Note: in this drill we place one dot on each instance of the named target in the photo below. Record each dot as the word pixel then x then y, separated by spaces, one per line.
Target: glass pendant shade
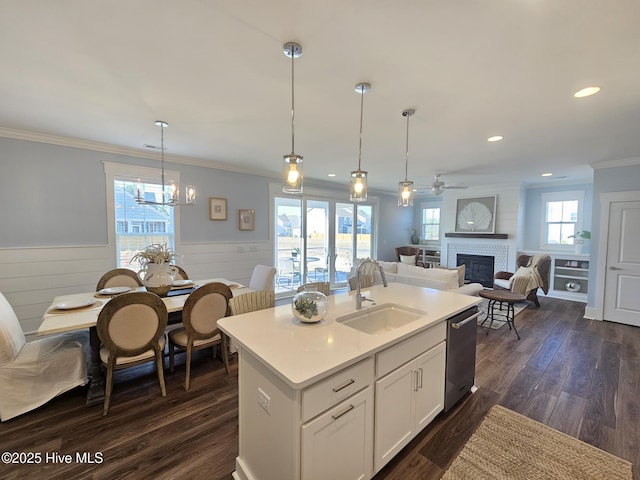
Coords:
pixel 405 187
pixel 358 182
pixel 358 186
pixel 292 174
pixel 292 177
pixel 405 193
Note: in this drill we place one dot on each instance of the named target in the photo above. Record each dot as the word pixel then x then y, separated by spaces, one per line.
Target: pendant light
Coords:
pixel 358 184
pixel 292 167
pixel 405 188
pixel 171 192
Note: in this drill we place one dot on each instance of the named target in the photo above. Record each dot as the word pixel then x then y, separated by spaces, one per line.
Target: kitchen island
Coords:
pixel 327 400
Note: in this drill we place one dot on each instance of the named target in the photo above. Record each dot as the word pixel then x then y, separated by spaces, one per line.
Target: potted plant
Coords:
pixel 579 239
pixel 295 252
pixel 156 273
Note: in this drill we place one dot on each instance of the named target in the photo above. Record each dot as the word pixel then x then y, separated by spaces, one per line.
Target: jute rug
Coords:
pixel 510 446
pixel 499 315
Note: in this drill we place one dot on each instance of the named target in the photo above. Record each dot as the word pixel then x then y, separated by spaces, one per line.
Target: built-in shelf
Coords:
pixel 569 276
pixel 497 236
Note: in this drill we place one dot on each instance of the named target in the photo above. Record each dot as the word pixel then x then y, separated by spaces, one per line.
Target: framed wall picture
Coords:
pixel 246 219
pixel 217 208
pixel 476 215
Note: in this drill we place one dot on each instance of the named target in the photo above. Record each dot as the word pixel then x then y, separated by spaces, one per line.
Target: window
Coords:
pixel 562 217
pixel 431 223
pixel 132 227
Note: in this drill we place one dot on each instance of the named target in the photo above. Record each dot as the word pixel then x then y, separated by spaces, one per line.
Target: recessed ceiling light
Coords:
pixel 331 175
pixel 495 138
pixel 547 174
pixel 585 92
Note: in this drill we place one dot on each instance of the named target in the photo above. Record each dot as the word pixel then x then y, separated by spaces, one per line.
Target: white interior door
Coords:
pixel 622 281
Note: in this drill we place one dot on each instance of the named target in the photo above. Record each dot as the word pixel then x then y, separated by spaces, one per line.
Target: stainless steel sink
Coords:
pixel 381 318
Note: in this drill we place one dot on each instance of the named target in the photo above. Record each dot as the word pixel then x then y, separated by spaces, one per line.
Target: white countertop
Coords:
pixel 302 353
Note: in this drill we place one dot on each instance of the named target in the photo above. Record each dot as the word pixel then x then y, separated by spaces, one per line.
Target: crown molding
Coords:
pixel 119 150
pixel 624 162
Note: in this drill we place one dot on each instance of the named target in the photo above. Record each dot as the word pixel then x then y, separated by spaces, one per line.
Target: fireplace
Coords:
pixel 478 268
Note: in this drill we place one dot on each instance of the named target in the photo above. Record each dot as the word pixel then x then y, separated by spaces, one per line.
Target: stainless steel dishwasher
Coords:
pixel 461 356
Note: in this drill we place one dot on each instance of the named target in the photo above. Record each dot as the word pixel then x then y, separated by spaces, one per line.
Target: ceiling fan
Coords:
pixel 438 187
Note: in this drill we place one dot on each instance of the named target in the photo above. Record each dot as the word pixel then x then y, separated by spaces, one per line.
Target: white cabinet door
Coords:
pixel 430 393
pixel 407 399
pixel 339 443
pixel 394 413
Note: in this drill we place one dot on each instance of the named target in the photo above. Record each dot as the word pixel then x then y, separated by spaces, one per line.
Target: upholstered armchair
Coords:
pixel 533 273
pixel 402 254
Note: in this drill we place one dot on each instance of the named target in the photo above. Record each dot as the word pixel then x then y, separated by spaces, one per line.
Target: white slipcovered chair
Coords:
pixel 33 373
pixel 262 278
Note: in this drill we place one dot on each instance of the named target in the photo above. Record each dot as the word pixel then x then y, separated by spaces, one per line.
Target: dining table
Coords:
pixel 80 311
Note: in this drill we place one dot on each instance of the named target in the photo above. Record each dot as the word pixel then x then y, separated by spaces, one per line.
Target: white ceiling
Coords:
pixel 215 70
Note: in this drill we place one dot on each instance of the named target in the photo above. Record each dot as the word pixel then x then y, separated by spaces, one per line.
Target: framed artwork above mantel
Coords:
pixel 476 215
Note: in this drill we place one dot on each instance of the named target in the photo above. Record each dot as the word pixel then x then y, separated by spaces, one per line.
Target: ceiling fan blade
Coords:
pixel 453 187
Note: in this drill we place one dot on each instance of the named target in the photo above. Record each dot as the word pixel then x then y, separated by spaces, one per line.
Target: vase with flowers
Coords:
pixel 157 272
pixel 579 239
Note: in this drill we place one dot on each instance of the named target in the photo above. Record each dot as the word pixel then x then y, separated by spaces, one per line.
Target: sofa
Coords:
pixel 438 278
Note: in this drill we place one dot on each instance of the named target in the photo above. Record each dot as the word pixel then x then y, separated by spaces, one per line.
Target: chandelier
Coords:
pixel 170 192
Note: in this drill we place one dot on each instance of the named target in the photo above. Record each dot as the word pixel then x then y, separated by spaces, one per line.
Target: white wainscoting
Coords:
pixel 31 277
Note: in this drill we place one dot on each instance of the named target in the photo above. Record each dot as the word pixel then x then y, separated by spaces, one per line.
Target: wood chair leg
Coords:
pixel 224 352
pixel 108 388
pixel 160 368
pixel 188 373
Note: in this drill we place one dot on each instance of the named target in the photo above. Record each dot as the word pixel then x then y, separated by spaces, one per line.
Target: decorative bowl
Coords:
pixel 309 306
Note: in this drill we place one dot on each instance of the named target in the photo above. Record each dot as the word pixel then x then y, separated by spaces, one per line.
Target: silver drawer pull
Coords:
pixel 347 410
pixel 343 386
pixel 465 321
pixel 420 382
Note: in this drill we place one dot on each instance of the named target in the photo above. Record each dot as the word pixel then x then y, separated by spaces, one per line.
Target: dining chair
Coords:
pixel 33 373
pixel 182 275
pixel 366 281
pixel 119 277
pixel 131 330
pixel 322 287
pixel 252 301
pixel 262 278
pixel 200 314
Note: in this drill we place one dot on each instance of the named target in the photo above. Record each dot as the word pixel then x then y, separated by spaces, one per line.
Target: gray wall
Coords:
pixel 533 211
pixel 57 197
pixel 605 180
pixel 394 227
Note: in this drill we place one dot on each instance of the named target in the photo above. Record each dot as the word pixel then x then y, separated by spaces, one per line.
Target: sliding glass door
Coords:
pixel 317 239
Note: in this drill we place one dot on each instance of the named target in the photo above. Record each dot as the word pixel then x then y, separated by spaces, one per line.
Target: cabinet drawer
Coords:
pixel 326 393
pixel 402 352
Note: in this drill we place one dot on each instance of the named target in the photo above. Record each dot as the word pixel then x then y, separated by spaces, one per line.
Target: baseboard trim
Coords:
pixel 592 313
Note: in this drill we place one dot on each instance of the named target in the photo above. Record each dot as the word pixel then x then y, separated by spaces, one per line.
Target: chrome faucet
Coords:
pixel 359 297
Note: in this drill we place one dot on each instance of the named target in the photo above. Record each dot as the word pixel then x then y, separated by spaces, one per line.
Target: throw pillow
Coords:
pixel 460 269
pixel 408 259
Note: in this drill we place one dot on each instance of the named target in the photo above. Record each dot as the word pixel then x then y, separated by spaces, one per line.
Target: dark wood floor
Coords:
pixel 581 377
